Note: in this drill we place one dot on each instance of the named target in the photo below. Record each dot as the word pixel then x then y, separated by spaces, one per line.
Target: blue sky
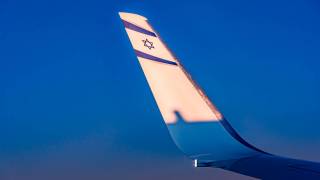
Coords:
pixel 75 104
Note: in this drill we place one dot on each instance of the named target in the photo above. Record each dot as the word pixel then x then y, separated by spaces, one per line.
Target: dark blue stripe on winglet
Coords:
pixel 138 29
pixel 235 135
pixel 153 58
pixel 227 126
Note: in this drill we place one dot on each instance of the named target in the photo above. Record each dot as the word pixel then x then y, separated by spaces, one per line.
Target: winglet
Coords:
pixel 203 133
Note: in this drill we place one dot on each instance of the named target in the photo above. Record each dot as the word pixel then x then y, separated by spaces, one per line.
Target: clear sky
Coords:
pixel 74 103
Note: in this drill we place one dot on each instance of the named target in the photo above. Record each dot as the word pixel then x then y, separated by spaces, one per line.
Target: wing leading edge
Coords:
pixel 197 127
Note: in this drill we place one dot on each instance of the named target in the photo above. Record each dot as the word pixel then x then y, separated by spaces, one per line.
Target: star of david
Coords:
pixel 148 44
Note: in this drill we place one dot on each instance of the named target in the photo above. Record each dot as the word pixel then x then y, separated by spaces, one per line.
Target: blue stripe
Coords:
pixel 153 58
pixel 227 126
pixel 235 135
pixel 138 29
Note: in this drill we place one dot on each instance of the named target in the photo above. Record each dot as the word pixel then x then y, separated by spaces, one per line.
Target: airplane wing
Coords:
pixel 197 127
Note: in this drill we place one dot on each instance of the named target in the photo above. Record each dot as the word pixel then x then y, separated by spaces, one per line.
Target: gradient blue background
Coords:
pixel 74 103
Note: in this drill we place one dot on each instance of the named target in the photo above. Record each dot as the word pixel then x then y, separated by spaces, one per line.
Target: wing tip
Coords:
pixel 126 15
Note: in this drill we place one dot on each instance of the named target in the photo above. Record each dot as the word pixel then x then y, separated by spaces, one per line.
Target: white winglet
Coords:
pixel 194 123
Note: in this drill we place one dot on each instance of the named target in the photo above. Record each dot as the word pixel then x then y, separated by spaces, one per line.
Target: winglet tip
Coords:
pixel 126 15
